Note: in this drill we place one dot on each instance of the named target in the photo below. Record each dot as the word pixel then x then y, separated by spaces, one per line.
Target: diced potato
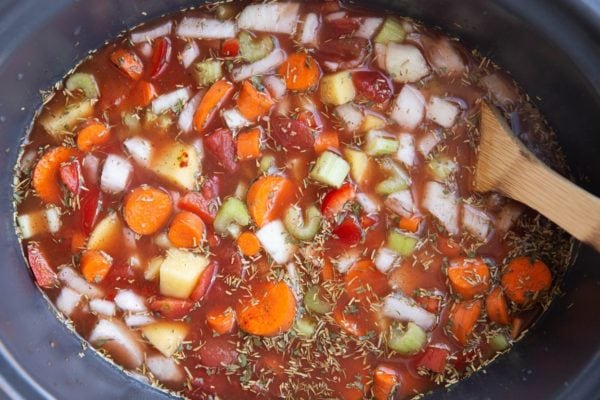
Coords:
pixel 57 125
pixel 372 121
pixel 179 273
pixel 107 235
pixel 166 336
pixel 359 164
pixel 337 89
pixel 179 164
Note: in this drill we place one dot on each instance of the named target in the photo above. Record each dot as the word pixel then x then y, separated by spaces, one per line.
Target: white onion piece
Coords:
pixel 385 259
pixel 140 150
pixel 409 107
pixel 442 112
pixel 119 341
pixel 130 239
pixel 331 66
pixel 442 204
pixel 443 57
pixel 476 222
pixel 508 216
pixel 52 214
pixel 32 224
pixel 310 30
pixel 401 203
pixel 294 279
pixel 116 174
pixel 90 166
pixel 270 17
pixel 170 100
pixel 260 67
pixel 405 309
pixel 368 204
pixel 27 160
pixel 405 63
pixel 145 49
pixel 67 301
pixel 368 27
pixel 186 118
pixel 380 55
pixel 151 34
pixel 128 300
pixel 165 369
pixel 162 241
pixel 406 149
pixel 103 307
pixel 276 241
pixel 137 320
pixel 204 28
pixel 190 52
pixel 500 88
pixel 346 261
pixel 72 279
pixel 335 15
pixel 428 142
pixel 350 115
pixel 234 119
pixel 275 85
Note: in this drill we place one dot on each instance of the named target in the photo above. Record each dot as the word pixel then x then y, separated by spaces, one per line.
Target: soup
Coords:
pixel 275 201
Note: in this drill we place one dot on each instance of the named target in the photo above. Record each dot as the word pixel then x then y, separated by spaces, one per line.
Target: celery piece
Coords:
pixel 314 302
pixel 302 229
pixel 359 164
pixel 395 170
pixel 390 185
pixel 499 342
pixel 442 168
pixel 379 145
pixel 330 169
pixel 233 211
pixel 401 243
pixel 305 326
pixel 391 32
pixel 267 163
pixel 131 121
pixel 408 341
pixel 84 82
pixel 207 72
pixel 252 49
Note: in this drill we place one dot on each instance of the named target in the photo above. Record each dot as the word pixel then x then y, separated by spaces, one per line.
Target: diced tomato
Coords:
pixel 211 187
pixel 310 119
pixel 230 48
pixel 90 206
pixel 161 55
pixel 170 308
pixel 43 273
pixel 447 246
pixel 373 85
pixel 434 359
pixel 430 303
pixel 218 351
pixel 349 231
pixel 348 52
pixel 198 204
pixel 368 221
pixel 343 26
pixel 336 199
pixel 221 145
pixel 70 174
pixel 363 275
pixel 292 133
pixel 205 282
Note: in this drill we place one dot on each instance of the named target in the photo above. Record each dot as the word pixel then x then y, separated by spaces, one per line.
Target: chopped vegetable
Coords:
pixel 409 107
pixel 147 209
pixel 207 72
pixel 373 85
pixel 249 144
pixel 46 175
pixel 62 123
pixel 408 340
pixel 385 382
pixel 442 168
pixel 84 82
pixel 186 230
pixel 499 342
pixel 442 204
pixel 170 308
pixel 180 272
pixel 302 229
pixel 310 30
pixel 276 241
pixel 248 244
pixel 214 99
pixel 42 271
pixel 161 55
pixel 116 174
pixel 166 336
pixel 301 72
pixel 463 318
pixel 260 67
pixel 233 211
pixel 391 32
pixel 380 143
pixel 435 358
pixel 314 301
pixel 252 103
pixel 402 243
pixel 107 234
pixel 337 89
pixel 254 49
pixel 330 169
pixel 350 116
pixel 442 112
pixel 270 17
pixel 221 321
pixel 496 307
pixel 327 140
pixel 359 164
pixel 525 279
pixel 92 134
pixel 170 101
pixel 151 34
pixel 305 326
pixel 128 62
pixel 221 145
pixel 405 63
pixel 95 265
pixel 268 197
pixel 405 309
pixel 177 163
pixel 468 277
pixel 205 28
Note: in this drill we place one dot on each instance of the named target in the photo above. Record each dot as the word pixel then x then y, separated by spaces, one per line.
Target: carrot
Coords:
pixel 147 209
pixel 269 310
pixel 78 241
pixel 248 244
pixel 410 224
pixel 128 62
pixel 327 140
pixel 221 321
pixel 214 99
pixel 141 95
pixel 300 72
pixel 248 144
pixel 95 265
pixel 385 380
pixel 327 272
pixel 46 175
pixel 462 319
pixel 186 230
pixel 364 279
pixel 524 279
pixel 468 277
pixel 495 305
pixel 253 103
pixel 92 134
pixel 517 327
pixel 268 197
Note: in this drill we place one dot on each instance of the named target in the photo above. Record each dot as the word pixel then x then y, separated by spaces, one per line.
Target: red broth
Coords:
pixel 309 231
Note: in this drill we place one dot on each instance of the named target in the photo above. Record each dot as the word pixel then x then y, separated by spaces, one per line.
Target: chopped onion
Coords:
pixel 234 119
pixel 335 15
pixel 346 261
pixel 507 216
pixel 500 88
pixel 32 224
pixel 442 112
pixel 103 307
pixel 276 241
pixel 204 28
pixel 405 309
pixel 260 67
pixel 405 63
pixel 151 34
pixel 137 320
pixel 310 30
pixel 91 165
pixel 270 17
pixel 128 300
pixel 53 221
pixel 476 222
pixel 294 279
pixel 121 342
pixel 385 259
pixel 380 55
pixel 401 203
pixel 409 108
pixel 72 279
pixel 165 369
pixel 406 149
pixel 368 27
pixel 190 52
pixel 27 160
pixel 429 141
pixel 442 204
pixel 116 174
pixel 140 150
pixel 443 56
pixel 170 100
pixel 275 85
pixel 367 203
pixel 145 49
pixel 186 117
pixel 350 115
pixel 67 301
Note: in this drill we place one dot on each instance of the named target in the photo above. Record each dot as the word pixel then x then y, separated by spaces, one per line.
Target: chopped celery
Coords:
pixel 305 326
pixel 390 185
pixel 208 72
pixel 267 164
pixel 401 243
pixel 302 229
pixel 359 163
pixel 499 342
pixel 408 341
pixel 315 303
pixel 442 168
pixel 131 121
pixel 240 191
pixel 233 211
pixel 379 145
pixel 330 169
pixel 252 49
pixel 84 82
pixel 391 31
pixel 162 121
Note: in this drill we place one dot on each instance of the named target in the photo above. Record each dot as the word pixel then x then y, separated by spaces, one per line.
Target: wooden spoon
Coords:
pixel 506 166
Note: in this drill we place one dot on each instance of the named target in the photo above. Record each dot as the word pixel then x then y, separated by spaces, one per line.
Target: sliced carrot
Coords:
pixel 269 310
pixel 300 72
pixel 495 305
pixel 221 321
pixel 214 99
pixel 186 230
pixel 248 144
pixel 92 134
pixel 46 175
pixel 78 241
pixel 268 197
pixel 327 140
pixel 147 209
pixel 462 319
pixel 248 244
pixel 410 224
pixel 468 277
pixel 524 279
pixel 385 381
pixel 364 280
pixel 327 272
pixel 517 327
pixel 128 62
pixel 95 265
pixel 253 103
pixel 141 95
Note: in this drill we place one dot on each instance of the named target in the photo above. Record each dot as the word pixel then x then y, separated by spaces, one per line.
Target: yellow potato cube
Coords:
pixel 166 336
pixel 179 164
pixel 179 273
pixel 107 235
pixel 337 89
pixel 372 121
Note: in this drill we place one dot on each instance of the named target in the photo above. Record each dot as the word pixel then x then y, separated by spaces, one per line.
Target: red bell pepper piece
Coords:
pixel 161 55
pixel 70 174
pixel 91 203
pixel 205 282
pixel 434 359
pixel 230 48
pixel 349 231
pixel 170 308
pixel 335 200
pixel 44 274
